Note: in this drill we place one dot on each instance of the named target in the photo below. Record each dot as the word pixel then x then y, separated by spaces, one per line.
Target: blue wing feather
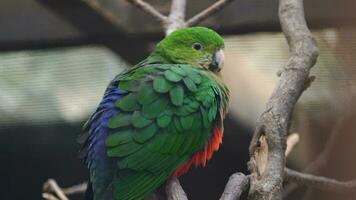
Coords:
pixel 102 168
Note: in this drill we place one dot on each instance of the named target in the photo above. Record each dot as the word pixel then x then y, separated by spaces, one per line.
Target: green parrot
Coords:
pixel 157 118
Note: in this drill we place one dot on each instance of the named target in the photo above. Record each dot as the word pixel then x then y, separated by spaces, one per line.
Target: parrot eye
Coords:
pixel 197 46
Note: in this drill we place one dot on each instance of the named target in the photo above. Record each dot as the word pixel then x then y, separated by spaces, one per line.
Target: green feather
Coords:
pixel 168 111
pixel 154 109
pixel 195 77
pixel 131 85
pixel 189 83
pixel 164 67
pixel 161 85
pixel 191 103
pixel 164 121
pixel 211 92
pixel 138 185
pixel 158 142
pixel 139 121
pixel 198 123
pixel 199 140
pixel 166 148
pixel 212 112
pixel 192 106
pixel 128 103
pixel 177 95
pixel 204 117
pixel 146 94
pixel 166 161
pixel 187 146
pixel 120 120
pixel 143 134
pixel 172 76
pixel 182 111
pixel 207 103
pixel 179 140
pixel 136 162
pixel 123 150
pixel 187 121
pixel 178 70
pixel 118 138
pixel 177 124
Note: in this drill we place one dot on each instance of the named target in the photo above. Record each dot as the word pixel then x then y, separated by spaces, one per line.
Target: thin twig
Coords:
pixel 49 196
pixel 211 10
pixel 323 156
pixel 75 189
pixel 275 121
pixel 174 190
pixel 292 140
pixel 236 185
pixel 319 182
pixel 103 10
pixel 330 144
pixel 148 8
pixel 51 186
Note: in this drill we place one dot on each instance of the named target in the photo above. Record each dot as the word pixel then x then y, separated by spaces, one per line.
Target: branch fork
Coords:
pixel 176 18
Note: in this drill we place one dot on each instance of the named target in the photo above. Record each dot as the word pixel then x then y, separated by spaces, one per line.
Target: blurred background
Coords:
pixel 57 57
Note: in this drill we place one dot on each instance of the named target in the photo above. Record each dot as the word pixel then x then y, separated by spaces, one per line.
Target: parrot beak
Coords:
pixel 217 61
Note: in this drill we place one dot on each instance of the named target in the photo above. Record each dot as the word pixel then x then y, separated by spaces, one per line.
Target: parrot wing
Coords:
pixel 165 115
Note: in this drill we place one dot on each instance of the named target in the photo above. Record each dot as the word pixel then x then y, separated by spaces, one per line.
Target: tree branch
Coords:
pixel 174 190
pixel 275 121
pixel 236 185
pixel 75 189
pixel 292 140
pixel 148 8
pixel 211 10
pixel 51 186
pixel 49 196
pixel 319 182
pixel 322 158
pixel 176 16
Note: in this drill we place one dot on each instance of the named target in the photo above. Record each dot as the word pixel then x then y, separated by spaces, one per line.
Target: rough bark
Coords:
pixel 273 125
pixel 236 185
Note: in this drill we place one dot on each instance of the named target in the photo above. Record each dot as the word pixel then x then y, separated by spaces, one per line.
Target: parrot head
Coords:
pixel 198 46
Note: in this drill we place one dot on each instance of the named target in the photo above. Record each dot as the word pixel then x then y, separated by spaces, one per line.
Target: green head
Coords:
pixel 199 46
